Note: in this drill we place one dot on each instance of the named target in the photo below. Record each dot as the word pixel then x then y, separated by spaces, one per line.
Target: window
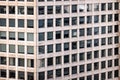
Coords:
pixel 30 50
pixel 66 71
pixel 89 31
pixel 2 9
pixel 89 7
pixel 21 10
pixel 109 74
pixel 89 55
pixel 110 51
pixel 50 61
pixel 21 23
pixel 82 32
pixel 41 75
pixel 103 53
pixel 74 20
pixel 96 18
pixel 21 49
pixel 21 62
pixel 82 78
pixel 30 10
pixel 49 9
pixel 11 9
pixel 41 23
pixel 58 47
pixel 66 59
pixel 3 60
pixel 30 37
pixel 41 36
pixel 2 34
pixel 103 18
pixel 81 68
pixel 116 62
pixel 89 67
pixel 2 22
pixel 110 6
pixel 49 22
pixel 11 22
pixel 96 65
pixel 41 10
pixel 49 35
pixel 12 61
pixel 58 9
pixel 74 33
pixel 96 7
pixel 12 48
pixel 58 60
pixel 3 73
pixel 89 43
pixel 116 28
pixel 21 75
pixel 58 22
pixel 30 76
pixel 74 57
pixel 110 40
pixel 103 64
pixel 81 20
pixel 41 49
pixel 96 42
pixel 12 74
pixel 66 22
pixel 74 70
pixel 116 39
pixel 42 62
pixel 74 8
pixel 58 72
pixel 89 19
pixel 50 48
pixel 109 29
pixel 103 76
pixel 103 29
pixel 116 5
pixel 58 34
pixel 49 74
pixel 66 33
pixel 96 76
pixel 110 17
pixel 110 63
pixel 81 7
pixel 21 36
pixel 116 73
pixel 82 56
pixel 2 47
pixel 30 63
pixel 116 51
pixel 103 6
pixel 116 17
pixel 30 23
pixel 96 30
pixel 66 46
pixel 103 41
pixel 66 9
pixel 11 35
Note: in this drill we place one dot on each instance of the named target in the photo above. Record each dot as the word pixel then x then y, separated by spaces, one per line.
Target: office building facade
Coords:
pixel 59 39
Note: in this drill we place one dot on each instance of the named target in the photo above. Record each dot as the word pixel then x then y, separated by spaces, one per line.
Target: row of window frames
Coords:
pixel 21 62
pixel 66 59
pixel 75 33
pixel 12 10
pixel 102 76
pixel 21 36
pixel 74 20
pixel 74 45
pixel 20 49
pixel 21 23
pixel 75 8
pixel 66 72
pixel 13 74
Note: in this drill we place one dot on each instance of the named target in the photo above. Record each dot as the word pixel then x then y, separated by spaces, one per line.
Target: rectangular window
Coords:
pixel 30 10
pixel 30 50
pixel 41 10
pixel 12 74
pixel 3 60
pixel 50 61
pixel 12 48
pixel 2 22
pixel 81 8
pixel 21 23
pixel 49 9
pixel 81 44
pixel 58 9
pixel 2 47
pixel 41 49
pixel 58 47
pixel 11 35
pixel 2 34
pixel 11 22
pixel 41 36
pixel 50 48
pixel 21 62
pixel 42 62
pixel 21 10
pixel 30 37
pixel 12 10
pixel 30 63
pixel 12 61
pixel 3 73
pixel 30 23
pixel 21 49
pixel 2 9
pixel 41 23
pixel 21 36
pixel 74 8
pixel 21 75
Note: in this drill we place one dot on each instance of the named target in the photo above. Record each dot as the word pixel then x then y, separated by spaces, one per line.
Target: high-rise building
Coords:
pixel 59 40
